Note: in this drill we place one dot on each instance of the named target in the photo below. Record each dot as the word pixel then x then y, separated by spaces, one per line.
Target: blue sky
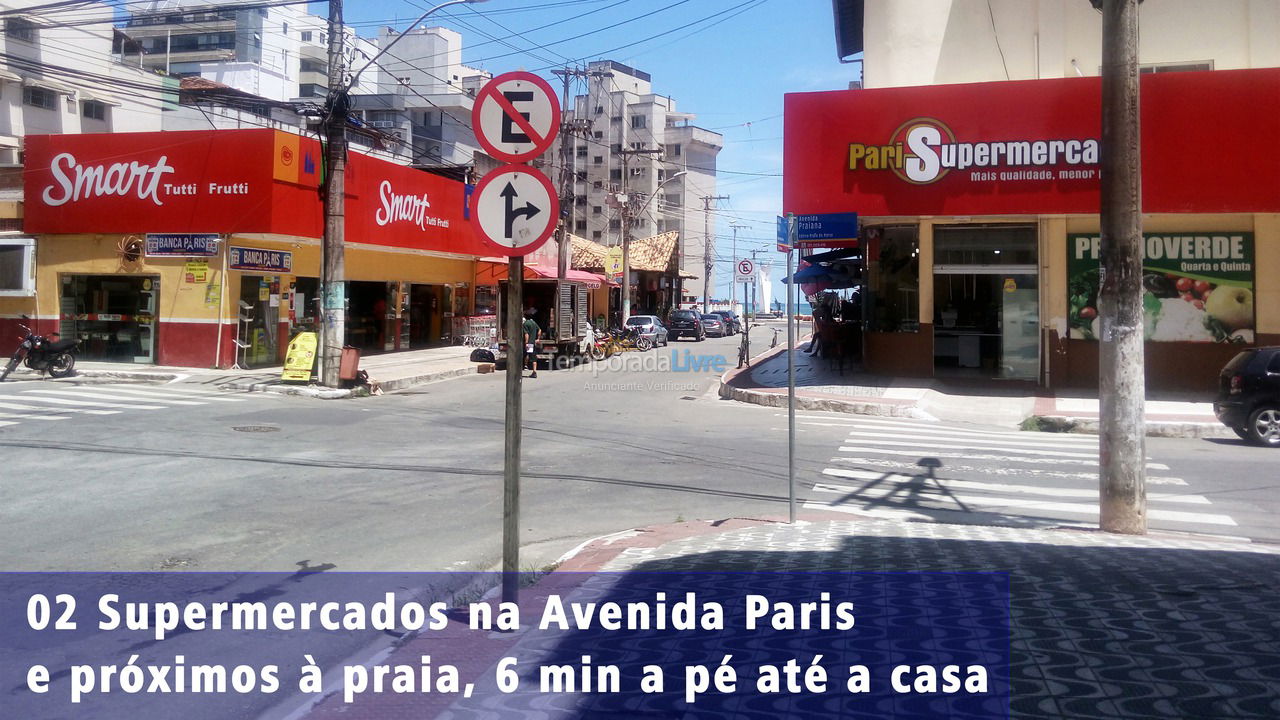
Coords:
pixel 728 61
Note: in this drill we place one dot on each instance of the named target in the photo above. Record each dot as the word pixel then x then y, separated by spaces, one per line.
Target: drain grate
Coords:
pixel 255 428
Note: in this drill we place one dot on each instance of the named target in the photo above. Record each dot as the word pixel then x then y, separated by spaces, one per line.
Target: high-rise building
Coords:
pixel 620 112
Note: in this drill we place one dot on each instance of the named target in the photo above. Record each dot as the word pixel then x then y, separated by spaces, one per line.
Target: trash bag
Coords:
pixel 482 355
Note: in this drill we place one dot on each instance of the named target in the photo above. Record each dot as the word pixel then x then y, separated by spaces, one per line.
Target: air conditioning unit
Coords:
pixel 382 123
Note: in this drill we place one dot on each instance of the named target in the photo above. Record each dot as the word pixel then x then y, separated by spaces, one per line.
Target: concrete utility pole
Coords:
pixel 746 302
pixel 570 128
pixel 708 262
pixel 333 287
pixel 1122 427
pixel 624 208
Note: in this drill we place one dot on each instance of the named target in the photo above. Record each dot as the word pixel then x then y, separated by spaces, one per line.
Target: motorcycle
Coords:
pixel 56 357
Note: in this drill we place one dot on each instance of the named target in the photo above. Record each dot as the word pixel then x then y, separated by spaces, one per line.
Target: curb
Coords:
pixel 1154 428
pixel 344 393
pixel 730 391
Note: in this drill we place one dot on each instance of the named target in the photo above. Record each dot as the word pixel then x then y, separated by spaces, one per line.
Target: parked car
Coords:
pixel 686 323
pixel 714 325
pixel 1249 396
pixel 650 326
pixel 732 325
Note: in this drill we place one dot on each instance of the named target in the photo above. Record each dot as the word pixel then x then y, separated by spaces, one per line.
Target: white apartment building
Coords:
pixel 620 112
pixel 935 42
pixel 60 77
pixel 424 70
pixel 278 53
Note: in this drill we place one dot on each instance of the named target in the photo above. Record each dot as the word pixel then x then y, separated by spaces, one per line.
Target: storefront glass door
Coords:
pixel 259 322
pixel 113 316
pixel 986 301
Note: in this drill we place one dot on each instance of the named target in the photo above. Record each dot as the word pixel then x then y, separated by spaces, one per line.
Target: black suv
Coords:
pixel 686 323
pixel 1249 396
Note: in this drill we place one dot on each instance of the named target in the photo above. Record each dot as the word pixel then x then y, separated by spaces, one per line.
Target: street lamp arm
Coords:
pixel 682 173
pixel 356 76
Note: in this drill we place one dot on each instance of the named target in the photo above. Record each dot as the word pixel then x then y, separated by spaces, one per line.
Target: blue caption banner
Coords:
pixel 318 644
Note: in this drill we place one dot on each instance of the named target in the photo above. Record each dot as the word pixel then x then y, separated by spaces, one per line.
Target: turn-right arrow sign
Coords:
pixel 516 207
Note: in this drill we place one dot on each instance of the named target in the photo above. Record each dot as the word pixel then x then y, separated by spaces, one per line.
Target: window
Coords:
pixel 674 200
pixel 893 292
pixel 581 151
pixel 39 97
pixel 616 118
pixel 597 160
pixel 284 28
pixel 637 121
pixel 597 134
pixel 580 226
pixel 615 148
pixel 1175 67
pixel 306 36
pixel 580 176
pixel 595 235
pixel 599 110
pixel 93 110
pixel 580 199
pixel 615 224
pixel 20 29
pixel 596 210
pixel 637 172
pixel 597 185
pixel 675 150
pixel 17 267
pixel 615 174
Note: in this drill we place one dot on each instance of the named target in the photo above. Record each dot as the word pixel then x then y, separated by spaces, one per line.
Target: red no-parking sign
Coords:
pixel 516 116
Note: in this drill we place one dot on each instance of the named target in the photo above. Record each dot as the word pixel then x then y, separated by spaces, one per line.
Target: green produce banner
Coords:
pixel 1197 287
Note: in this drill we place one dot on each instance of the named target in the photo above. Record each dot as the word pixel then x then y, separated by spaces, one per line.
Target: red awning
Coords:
pixel 496 269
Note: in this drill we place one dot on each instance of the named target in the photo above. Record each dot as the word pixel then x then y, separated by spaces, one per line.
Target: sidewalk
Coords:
pixel 819 386
pixel 1102 626
pixel 391 371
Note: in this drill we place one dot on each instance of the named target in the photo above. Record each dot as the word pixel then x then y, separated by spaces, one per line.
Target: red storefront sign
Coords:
pixel 1210 143
pixel 232 181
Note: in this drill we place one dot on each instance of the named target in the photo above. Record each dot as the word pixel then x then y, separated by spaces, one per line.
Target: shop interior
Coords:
pixel 258 337
pixel 986 302
pixel 113 316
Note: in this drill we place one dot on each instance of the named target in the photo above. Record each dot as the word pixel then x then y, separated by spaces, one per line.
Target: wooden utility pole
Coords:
pixel 1122 427
pixel 333 287
pixel 708 262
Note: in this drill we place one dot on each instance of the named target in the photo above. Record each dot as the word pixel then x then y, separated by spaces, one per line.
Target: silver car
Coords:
pixel 650 327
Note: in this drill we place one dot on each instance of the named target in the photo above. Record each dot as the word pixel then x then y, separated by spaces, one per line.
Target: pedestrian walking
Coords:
pixel 531 334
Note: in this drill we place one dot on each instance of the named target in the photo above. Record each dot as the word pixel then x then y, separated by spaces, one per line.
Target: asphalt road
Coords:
pixel 413 480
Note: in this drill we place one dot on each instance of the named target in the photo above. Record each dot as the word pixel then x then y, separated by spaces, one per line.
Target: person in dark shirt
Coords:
pixel 531 334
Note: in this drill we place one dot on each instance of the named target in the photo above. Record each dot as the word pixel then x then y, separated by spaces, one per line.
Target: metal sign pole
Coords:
pixel 511 458
pixel 791 372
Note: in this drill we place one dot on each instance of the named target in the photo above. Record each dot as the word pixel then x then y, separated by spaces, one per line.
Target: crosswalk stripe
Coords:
pixel 942 452
pixel 931 429
pixel 1003 471
pixel 939 438
pixel 1083 508
pixel 201 395
pixel 19 406
pixel 27 416
pixel 37 396
pixel 925 445
pixel 125 395
pixel 901 479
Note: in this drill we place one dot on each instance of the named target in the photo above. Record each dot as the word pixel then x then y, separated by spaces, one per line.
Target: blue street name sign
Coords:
pixel 241 258
pixel 832 226
pixel 784 242
pixel 178 245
